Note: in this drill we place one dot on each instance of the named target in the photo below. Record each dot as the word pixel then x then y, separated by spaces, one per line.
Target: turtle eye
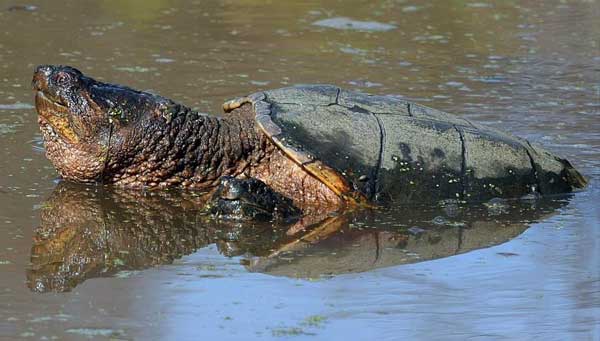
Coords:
pixel 62 78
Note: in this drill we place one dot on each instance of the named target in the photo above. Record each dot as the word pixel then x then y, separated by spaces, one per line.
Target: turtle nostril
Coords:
pixel 40 77
pixel 46 70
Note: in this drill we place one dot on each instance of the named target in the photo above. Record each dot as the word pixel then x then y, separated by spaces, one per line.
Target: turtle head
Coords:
pixel 79 117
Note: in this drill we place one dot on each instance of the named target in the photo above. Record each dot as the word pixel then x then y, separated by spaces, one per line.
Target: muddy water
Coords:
pixel 79 262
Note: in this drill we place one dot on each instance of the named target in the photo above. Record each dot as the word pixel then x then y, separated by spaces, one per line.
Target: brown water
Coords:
pixel 80 262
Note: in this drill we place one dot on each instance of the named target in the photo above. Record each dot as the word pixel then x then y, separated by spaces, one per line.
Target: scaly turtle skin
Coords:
pixel 321 147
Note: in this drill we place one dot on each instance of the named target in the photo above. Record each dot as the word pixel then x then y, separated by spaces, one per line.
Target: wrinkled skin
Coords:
pixel 97 132
pixel 102 133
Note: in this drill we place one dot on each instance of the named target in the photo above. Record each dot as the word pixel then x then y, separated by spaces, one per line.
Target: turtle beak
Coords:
pixel 56 115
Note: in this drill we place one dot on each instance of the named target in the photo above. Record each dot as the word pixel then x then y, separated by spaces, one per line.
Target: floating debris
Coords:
pixel 342 23
pixel 22 8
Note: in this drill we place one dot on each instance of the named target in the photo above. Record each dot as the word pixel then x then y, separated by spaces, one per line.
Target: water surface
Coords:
pixel 80 262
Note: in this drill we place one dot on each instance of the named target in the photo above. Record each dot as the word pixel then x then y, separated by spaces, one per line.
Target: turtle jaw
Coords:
pixel 55 116
pixel 53 86
pixel 75 157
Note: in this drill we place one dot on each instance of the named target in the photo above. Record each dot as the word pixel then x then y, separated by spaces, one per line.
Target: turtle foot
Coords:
pixel 251 199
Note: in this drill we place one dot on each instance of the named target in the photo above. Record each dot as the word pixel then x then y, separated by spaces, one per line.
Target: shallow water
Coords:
pixel 80 262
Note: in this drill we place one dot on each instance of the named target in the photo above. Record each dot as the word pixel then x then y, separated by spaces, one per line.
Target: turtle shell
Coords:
pixel 367 147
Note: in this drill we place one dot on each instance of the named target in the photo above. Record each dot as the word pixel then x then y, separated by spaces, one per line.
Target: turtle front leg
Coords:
pixel 251 199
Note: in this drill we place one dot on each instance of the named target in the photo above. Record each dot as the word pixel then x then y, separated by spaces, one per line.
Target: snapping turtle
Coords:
pixel 322 147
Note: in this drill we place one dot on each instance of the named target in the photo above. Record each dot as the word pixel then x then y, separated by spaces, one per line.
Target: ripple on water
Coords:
pixel 532 70
pixel 164 60
pixel 96 332
pixel 6 129
pixel 16 106
pixel 364 83
pixel 135 69
pixel 352 50
pixel 342 23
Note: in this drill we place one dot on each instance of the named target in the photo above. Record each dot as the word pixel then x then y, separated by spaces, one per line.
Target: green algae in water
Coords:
pixel 314 321
pixel 311 321
pixel 207 267
pixel 291 331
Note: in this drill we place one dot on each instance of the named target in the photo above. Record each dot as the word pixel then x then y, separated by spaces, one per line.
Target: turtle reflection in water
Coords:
pixel 314 149
pixel 91 232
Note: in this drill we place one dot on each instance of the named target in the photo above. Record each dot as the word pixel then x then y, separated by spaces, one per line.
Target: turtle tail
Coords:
pixel 574 178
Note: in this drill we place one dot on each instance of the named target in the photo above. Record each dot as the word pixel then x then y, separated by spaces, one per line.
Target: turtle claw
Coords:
pixel 235 103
